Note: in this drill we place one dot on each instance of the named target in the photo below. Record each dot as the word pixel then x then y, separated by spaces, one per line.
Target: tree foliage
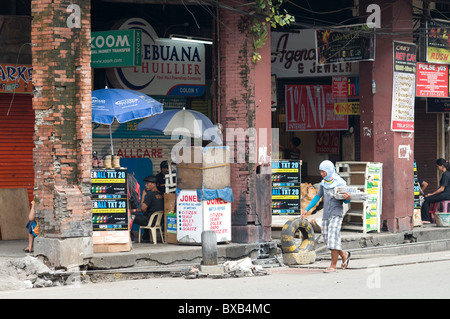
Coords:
pixel 274 17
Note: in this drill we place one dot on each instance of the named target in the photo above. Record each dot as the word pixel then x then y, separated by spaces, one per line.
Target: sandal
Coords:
pixel 328 270
pixel 345 264
pixel 27 250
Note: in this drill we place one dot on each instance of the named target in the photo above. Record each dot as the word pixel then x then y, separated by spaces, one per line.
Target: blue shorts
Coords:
pixel 31 227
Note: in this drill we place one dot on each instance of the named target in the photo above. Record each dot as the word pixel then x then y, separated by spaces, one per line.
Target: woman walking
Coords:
pixel 441 194
pixel 332 213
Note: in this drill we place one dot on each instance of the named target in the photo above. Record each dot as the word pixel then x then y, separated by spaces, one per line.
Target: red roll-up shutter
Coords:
pixel 16 142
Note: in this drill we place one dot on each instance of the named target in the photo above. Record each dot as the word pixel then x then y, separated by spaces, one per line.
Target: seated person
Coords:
pixel 441 194
pixel 152 201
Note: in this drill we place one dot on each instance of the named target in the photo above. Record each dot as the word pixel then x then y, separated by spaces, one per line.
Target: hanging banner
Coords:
pixel 432 80
pixel 349 43
pixel 327 142
pixel 286 187
pixel 438 47
pixel 346 108
pixel 294 55
pixel 403 89
pixel 311 108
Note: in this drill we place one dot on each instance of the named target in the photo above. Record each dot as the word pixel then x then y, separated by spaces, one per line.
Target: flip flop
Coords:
pixel 27 250
pixel 345 264
pixel 328 270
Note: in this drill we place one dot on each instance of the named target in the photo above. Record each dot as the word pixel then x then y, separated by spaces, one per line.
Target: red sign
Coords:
pixel 340 87
pixel 311 108
pixel 432 80
pixel 16 78
pixel 327 142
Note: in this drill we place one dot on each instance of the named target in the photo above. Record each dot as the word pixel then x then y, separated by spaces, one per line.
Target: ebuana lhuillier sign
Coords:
pixel 166 67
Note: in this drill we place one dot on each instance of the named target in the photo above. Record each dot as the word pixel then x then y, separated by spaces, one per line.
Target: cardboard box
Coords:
pixel 199 167
pixel 170 218
pixel 111 241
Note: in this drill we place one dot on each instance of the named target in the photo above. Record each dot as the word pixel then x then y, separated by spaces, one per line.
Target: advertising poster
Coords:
pixel 403 89
pixel 372 206
pixel 327 142
pixel 217 217
pixel 286 187
pixel 340 87
pixel 438 45
pixel 171 223
pixel 189 217
pixel 432 80
pixel 109 199
pixel 311 108
pixel 352 43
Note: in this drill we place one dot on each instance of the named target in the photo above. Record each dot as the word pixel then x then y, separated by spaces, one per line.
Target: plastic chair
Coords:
pixel 158 216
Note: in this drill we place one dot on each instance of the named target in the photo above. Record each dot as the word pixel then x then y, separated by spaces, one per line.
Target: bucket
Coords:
pixel 443 219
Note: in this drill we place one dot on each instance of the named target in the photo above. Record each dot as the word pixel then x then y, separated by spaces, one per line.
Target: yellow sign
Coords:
pixel 438 55
pixel 346 108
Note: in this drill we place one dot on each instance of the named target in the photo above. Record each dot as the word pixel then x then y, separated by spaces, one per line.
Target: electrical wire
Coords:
pixel 318 12
pixel 15 83
pixel 191 14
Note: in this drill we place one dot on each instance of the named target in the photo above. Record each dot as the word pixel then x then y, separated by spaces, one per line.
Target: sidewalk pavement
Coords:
pixel 426 239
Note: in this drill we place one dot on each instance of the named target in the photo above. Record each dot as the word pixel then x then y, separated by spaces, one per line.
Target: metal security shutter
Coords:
pixel 16 142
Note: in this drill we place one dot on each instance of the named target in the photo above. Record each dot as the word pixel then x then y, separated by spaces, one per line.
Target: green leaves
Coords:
pixel 274 19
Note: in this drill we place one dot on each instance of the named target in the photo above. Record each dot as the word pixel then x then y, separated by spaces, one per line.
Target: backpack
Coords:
pixel 134 191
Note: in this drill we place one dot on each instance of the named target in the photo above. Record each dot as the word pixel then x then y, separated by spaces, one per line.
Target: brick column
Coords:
pixel 378 142
pixel 63 132
pixel 244 107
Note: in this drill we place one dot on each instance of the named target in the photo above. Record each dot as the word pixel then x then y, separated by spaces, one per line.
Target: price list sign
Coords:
pixel 286 187
pixel 109 199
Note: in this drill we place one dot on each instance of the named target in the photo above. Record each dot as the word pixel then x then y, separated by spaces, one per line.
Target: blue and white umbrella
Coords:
pixel 182 122
pixel 122 105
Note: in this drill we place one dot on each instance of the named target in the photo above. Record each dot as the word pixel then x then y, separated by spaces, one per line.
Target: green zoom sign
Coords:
pixel 111 49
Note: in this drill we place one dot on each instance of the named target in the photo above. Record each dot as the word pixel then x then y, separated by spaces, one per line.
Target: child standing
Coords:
pixel 332 213
pixel 33 229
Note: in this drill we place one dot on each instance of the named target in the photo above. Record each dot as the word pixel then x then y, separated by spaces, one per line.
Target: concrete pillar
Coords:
pixel 378 142
pixel 63 134
pixel 245 112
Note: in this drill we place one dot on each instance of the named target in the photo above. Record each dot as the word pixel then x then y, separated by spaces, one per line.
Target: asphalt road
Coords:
pixel 424 276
